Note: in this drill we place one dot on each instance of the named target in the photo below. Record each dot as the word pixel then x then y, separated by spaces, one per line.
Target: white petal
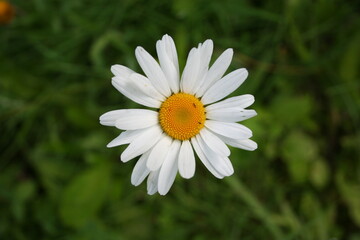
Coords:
pixel 140 170
pixel 242 101
pixel 246 144
pixel 186 160
pixel 153 71
pixel 146 86
pixel 120 70
pixel 109 118
pixel 214 143
pixel 139 89
pixel 225 86
pixel 206 52
pixel 169 61
pixel 231 130
pixel 205 56
pixel 171 50
pixel 142 143
pixel 196 67
pixel 125 137
pixel 216 71
pixel 204 159
pixel 152 182
pixel 132 119
pixel 221 163
pixel 189 75
pixel 169 169
pixel 230 114
pixel 159 152
pixel 228 164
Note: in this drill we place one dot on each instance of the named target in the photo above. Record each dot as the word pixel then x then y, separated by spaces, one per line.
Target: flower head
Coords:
pixel 7 12
pixel 189 114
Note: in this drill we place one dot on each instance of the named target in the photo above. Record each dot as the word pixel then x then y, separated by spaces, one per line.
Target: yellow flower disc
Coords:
pixel 182 116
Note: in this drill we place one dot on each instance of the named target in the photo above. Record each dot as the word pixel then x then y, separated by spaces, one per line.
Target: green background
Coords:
pixel 59 181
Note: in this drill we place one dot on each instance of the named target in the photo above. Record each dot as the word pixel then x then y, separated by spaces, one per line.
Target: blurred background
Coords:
pixel 59 181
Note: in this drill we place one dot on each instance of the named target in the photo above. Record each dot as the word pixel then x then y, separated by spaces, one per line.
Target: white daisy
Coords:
pixel 189 114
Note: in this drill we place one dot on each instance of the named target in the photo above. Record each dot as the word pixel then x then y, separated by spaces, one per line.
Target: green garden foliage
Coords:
pixel 59 181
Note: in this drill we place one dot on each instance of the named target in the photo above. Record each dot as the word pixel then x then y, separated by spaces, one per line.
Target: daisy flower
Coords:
pixel 188 116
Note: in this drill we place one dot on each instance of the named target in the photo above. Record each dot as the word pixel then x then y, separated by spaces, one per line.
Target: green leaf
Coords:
pixel 319 175
pixel 298 150
pixel 95 230
pixel 350 63
pixel 293 111
pixel 350 192
pixel 108 39
pixel 24 191
pixel 84 196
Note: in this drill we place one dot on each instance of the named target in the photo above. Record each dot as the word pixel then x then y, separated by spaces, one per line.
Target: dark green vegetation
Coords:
pixel 59 181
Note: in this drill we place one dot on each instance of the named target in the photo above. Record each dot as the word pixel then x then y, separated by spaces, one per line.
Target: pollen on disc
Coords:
pixel 182 116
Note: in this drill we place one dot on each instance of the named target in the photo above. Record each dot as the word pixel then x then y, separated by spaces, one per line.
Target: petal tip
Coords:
pixel 138 50
pixel 254 147
pixel 124 158
pixel 187 175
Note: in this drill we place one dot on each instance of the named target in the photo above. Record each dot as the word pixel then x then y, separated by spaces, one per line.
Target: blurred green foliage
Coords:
pixel 59 181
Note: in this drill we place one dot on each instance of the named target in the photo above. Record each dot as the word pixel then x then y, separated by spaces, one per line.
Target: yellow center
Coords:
pixel 182 116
